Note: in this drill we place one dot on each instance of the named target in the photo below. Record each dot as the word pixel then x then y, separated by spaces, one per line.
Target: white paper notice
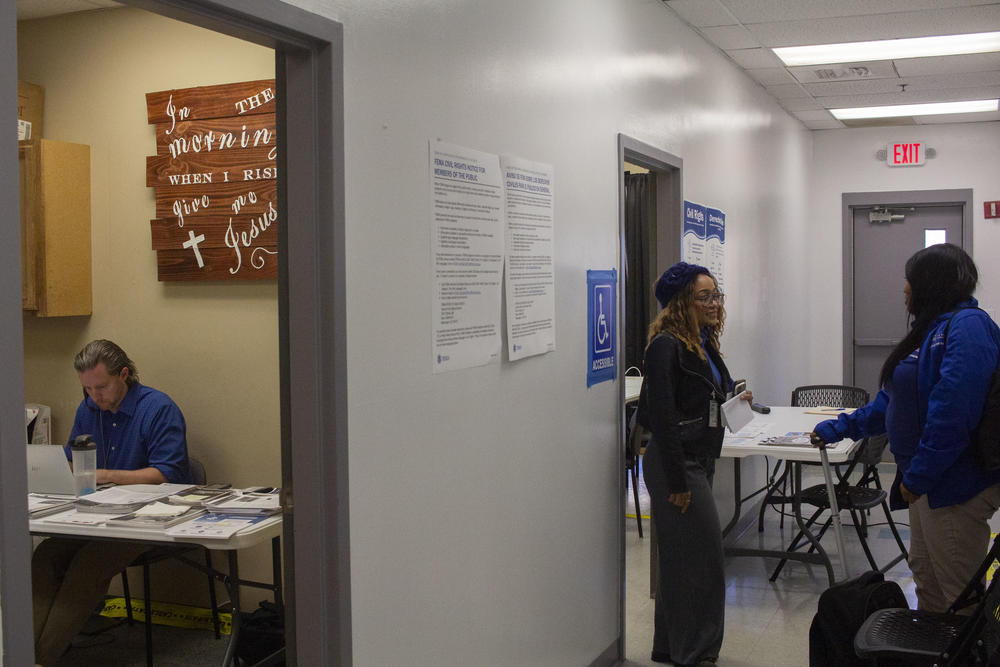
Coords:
pixel 530 273
pixel 467 249
pixel 737 413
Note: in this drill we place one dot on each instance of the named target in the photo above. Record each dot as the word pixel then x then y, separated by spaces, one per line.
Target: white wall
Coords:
pixel 844 161
pixel 484 502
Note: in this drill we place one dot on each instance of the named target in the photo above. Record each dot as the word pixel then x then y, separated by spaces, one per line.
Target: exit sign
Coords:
pixel 909 154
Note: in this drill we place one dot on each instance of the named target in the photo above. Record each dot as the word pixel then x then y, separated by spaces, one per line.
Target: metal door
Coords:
pixel 883 241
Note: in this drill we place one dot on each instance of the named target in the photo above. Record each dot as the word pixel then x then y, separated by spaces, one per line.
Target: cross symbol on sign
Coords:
pixel 192 243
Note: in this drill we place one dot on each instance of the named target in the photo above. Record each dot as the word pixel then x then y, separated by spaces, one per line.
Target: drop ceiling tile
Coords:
pixel 729 37
pixel 878 69
pixel 755 58
pixel 958 20
pixel 813 114
pixel 764 11
pixel 823 124
pixel 702 13
pixel 866 87
pixel 969 80
pixel 959 118
pixel 771 76
pixel 787 91
pixel 971 62
pixel 800 104
pixel 910 97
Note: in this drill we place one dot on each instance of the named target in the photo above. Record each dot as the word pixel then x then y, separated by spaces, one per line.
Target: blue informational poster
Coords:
pixel 602 356
pixel 694 233
pixel 715 245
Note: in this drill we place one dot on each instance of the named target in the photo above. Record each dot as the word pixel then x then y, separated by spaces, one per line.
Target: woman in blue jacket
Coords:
pixel 685 384
pixel 934 386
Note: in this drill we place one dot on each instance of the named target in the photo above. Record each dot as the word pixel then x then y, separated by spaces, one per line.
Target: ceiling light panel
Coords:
pixel 934 108
pixel 889 49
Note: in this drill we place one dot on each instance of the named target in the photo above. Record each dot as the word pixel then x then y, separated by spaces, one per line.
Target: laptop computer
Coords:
pixel 49 471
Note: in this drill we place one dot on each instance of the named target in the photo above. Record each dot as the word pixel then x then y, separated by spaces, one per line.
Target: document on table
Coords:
pixel 75 518
pixel 135 493
pixel 219 526
pixel 737 413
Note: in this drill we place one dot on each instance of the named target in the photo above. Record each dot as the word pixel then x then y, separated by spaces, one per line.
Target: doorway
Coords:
pixel 650 203
pixel 881 231
pixel 310 293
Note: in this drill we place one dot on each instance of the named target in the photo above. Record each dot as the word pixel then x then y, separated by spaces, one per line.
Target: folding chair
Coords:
pixel 948 639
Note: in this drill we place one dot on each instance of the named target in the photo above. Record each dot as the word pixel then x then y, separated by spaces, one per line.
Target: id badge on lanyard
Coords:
pixel 713 413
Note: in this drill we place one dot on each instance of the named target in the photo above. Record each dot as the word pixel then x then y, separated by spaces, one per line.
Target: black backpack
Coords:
pixel 841 610
pixel 262 633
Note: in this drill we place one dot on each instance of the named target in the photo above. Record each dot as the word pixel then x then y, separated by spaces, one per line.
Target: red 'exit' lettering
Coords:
pixel 905 154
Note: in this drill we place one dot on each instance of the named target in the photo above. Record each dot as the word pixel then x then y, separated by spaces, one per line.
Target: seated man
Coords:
pixel 140 436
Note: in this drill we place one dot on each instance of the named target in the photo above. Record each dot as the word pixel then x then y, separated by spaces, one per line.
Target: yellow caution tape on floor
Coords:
pixel 165 613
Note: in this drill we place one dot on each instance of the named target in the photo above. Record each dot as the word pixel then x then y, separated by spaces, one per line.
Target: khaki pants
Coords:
pixel 68 580
pixel 947 544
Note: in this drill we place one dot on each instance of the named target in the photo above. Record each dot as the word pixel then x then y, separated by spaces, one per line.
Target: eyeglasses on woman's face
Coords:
pixel 708 298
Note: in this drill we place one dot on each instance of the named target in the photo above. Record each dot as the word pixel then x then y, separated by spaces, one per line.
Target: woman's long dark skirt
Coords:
pixel 691 594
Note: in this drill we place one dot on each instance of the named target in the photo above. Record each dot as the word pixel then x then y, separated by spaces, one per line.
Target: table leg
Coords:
pixel 737 497
pixel 831 492
pixel 279 598
pixel 233 584
pixel 797 511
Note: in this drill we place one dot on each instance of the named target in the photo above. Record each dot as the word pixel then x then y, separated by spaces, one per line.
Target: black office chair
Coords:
pixel 160 553
pixel 635 442
pixel 859 497
pixel 913 637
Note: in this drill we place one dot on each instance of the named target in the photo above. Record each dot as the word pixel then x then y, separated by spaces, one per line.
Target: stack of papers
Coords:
pixel 213 526
pixel 127 498
pixel 74 517
pixel 792 439
pixel 40 505
pixel 246 504
pixel 156 515
pixel 198 496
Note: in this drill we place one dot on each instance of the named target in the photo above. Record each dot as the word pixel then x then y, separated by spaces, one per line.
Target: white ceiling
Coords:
pixel 37 9
pixel 745 30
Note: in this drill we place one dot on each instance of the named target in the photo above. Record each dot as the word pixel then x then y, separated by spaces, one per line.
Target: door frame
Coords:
pixel 311 319
pixel 669 209
pixel 893 199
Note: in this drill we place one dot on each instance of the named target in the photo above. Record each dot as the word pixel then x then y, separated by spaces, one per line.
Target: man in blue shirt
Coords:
pixel 141 439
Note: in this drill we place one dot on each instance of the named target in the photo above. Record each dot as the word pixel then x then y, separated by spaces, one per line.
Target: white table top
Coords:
pixel 248 537
pixel 780 421
pixel 633 385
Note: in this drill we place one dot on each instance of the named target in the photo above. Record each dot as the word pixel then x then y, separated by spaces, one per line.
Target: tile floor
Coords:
pixel 767 624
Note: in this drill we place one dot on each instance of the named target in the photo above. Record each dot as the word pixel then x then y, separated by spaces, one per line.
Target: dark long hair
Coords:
pixel 941 277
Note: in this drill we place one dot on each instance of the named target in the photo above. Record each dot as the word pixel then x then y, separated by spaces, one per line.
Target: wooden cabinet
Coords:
pixel 55 227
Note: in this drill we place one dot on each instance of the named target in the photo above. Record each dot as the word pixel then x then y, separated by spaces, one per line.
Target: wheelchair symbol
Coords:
pixel 602 331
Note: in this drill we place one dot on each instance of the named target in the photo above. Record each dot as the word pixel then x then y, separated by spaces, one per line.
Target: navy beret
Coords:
pixel 675 279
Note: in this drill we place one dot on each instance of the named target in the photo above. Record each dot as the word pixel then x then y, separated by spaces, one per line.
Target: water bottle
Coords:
pixel 84 464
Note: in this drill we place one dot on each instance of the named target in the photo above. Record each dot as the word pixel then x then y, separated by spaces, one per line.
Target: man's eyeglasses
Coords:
pixel 714 297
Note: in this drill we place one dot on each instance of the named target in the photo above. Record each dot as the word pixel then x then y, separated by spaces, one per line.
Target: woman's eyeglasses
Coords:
pixel 708 299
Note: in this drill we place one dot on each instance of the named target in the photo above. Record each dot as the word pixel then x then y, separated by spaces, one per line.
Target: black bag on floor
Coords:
pixel 841 610
pixel 261 634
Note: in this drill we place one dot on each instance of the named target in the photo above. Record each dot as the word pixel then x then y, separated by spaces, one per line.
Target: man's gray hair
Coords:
pixel 106 352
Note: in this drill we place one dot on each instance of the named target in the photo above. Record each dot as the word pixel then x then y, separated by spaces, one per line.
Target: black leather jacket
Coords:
pixel 674 405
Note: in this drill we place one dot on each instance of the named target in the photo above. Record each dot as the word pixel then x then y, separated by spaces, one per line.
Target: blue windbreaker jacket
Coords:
pixel 952 381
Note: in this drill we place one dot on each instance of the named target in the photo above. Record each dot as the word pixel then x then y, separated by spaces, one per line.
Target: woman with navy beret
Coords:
pixel 685 383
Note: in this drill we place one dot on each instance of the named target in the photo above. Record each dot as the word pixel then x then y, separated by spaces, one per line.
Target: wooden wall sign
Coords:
pixel 215 180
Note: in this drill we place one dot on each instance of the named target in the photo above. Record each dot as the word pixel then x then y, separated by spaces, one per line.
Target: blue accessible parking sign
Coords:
pixel 601 309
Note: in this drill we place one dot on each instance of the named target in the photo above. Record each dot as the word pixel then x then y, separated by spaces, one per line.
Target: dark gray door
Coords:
pixel 881 249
